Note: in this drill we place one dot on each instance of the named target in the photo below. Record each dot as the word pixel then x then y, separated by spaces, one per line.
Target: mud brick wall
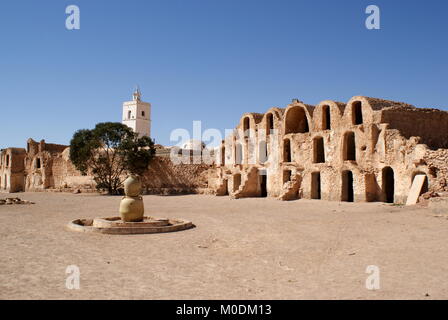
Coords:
pixel 430 125
pixel 163 176
pixel 437 161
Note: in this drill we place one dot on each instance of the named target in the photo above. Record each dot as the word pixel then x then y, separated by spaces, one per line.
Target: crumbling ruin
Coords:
pixel 366 150
pixel 47 167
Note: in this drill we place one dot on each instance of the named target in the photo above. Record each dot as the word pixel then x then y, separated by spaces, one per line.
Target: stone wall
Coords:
pixel 47 167
pixel 12 169
pixel 436 161
pixel 164 177
pixel 428 124
pixel 366 150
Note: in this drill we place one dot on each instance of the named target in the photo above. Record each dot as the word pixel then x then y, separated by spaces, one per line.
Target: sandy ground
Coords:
pixel 240 249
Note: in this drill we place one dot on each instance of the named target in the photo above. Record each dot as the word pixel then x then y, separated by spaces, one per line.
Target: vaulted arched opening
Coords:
pixel 296 121
pixel 318 150
pixel 246 127
pixel 349 146
pixel 326 118
pixel 357 112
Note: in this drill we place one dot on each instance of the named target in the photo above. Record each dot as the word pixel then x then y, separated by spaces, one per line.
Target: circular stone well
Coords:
pixel 115 225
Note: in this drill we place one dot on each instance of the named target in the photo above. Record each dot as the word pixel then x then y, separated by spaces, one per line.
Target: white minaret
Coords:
pixel 137 114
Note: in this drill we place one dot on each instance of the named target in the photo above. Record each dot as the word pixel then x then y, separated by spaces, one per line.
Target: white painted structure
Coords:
pixel 137 114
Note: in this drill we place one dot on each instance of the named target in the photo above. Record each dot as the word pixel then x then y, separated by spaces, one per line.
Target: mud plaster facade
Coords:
pixel 365 150
pixel 12 169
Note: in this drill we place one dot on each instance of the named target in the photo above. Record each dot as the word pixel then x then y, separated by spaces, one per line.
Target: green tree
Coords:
pixel 110 151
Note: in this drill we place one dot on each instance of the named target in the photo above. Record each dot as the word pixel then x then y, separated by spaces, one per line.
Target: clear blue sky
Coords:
pixel 209 60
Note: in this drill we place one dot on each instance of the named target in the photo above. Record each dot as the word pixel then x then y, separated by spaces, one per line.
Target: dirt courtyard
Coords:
pixel 240 249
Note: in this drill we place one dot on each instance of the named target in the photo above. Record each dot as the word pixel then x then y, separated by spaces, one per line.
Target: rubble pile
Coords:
pixel 14 201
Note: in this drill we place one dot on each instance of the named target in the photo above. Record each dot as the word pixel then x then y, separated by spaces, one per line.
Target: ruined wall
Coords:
pixel 428 124
pixel 47 167
pixel 436 162
pixel 11 169
pixel 164 177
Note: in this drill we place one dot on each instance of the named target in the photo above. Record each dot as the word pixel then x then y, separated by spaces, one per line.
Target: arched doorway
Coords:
pixel 326 118
pixel 246 127
pixel 388 185
pixel 357 113
pixel 347 186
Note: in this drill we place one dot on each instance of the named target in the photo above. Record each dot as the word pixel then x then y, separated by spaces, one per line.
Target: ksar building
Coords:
pixel 365 150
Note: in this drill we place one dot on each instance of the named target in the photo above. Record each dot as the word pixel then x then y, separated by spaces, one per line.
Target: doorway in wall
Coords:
pixel 349 146
pixel 263 184
pixel 315 186
pixel 347 186
pixel 388 184
pixel 357 112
